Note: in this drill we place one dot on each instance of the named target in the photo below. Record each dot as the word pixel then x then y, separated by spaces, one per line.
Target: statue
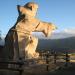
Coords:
pixel 19 41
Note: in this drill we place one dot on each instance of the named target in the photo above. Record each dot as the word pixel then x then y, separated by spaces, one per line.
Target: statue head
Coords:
pixel 29 9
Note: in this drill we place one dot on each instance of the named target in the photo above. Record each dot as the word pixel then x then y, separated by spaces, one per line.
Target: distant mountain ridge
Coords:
pixel 63 44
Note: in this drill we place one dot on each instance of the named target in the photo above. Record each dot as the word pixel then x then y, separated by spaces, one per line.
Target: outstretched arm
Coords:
pixel 45 27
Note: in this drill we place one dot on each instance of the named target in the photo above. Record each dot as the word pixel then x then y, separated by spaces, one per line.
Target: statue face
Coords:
pixel 30 9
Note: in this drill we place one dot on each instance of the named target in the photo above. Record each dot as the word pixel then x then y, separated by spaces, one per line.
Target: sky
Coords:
pixel 59 12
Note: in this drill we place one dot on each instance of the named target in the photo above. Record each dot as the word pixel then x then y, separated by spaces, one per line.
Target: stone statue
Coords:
pixel 19 42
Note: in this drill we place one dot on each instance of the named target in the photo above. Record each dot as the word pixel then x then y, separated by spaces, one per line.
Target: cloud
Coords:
pixel 57 34
pixel 70 31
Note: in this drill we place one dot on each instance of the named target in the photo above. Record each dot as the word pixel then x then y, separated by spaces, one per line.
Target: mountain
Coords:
pixel 62 44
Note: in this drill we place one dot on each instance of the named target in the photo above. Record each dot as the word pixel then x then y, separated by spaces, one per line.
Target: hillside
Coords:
pixel 62 44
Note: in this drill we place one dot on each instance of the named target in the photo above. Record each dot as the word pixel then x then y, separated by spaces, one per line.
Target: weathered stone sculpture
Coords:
pixel 19 41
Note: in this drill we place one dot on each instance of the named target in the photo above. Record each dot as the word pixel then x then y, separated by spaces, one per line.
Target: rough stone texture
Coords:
pixel 18 41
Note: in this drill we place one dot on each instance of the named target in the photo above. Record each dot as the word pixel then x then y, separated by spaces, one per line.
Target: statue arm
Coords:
pixel 41 27
pixel 45 27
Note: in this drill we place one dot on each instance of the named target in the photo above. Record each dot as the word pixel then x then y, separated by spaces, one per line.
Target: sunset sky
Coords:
pixel 59 12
